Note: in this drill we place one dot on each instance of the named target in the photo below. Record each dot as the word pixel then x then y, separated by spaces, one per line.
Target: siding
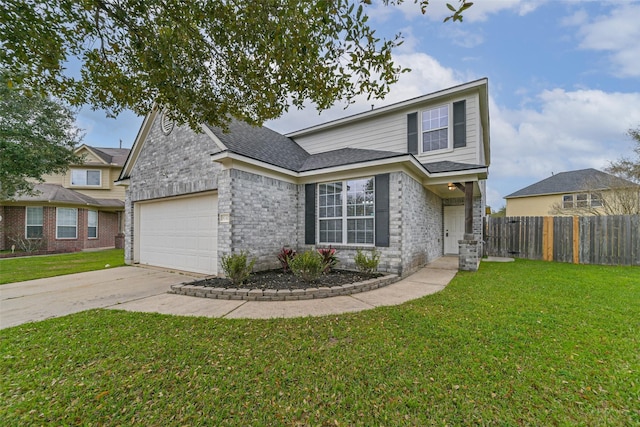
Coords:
pixel 389 133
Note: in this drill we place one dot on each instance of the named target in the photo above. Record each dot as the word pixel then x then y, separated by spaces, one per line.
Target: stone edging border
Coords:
pixel 281 294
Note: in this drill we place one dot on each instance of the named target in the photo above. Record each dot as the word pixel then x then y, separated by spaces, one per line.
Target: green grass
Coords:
pixel 524 343
pixel 37 267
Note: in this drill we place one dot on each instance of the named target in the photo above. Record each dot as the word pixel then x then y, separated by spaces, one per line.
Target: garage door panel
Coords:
pixel 180 233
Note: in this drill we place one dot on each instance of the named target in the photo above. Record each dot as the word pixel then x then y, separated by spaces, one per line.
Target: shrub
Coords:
pixel 307 265
pixel 329 259
pixel 285 257
pixel 366 264
pixel 16 237
pixel 236 268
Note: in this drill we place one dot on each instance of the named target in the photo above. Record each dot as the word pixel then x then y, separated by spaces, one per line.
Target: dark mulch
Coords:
pixel 276 279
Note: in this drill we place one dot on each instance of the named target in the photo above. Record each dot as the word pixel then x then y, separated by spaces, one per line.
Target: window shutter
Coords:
pixel 310 214
pixel 382 210
pixel 460 124
pixel 412 133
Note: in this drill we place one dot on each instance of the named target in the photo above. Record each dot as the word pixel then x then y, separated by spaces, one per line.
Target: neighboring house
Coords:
pixel 570 193
pixel 389 178
pixel 80 209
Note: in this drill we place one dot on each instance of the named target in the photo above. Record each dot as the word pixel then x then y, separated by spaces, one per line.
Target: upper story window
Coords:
pixel 33 222
pixel 439 128
pixel 435 129
pixel 581 200
pixel 346 211
pixel 86 177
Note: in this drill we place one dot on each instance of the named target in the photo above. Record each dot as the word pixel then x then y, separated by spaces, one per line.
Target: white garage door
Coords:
pixel 180 233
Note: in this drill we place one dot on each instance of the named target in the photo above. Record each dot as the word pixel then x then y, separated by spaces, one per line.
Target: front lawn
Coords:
pixel 38 267
pixel 524 343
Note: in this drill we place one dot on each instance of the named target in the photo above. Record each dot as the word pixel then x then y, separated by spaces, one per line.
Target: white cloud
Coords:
pixel 427 75
pixel 617 34
pixel 566 131
pixel 437 9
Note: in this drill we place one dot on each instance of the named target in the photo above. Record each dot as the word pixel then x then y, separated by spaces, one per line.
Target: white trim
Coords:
pixel 27 225
pixel 213 136
pixel 92 151
pixel 449 129
pixel 344 217
pixel 86 177
pixel 96 226
pixel 76 226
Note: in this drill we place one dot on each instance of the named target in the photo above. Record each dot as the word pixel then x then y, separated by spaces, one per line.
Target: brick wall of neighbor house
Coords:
pixel 170 165
pixel 422 225
pixel 14 223
pixel 263 216
pixel 107 230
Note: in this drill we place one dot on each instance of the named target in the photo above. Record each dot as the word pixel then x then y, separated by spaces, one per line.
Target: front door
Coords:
pixel 453 228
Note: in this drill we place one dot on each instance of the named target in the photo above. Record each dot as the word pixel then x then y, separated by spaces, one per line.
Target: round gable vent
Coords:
pixel 166 123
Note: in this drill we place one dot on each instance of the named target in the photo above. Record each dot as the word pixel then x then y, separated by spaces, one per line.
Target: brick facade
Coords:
pixel 13 224
pixel 266 213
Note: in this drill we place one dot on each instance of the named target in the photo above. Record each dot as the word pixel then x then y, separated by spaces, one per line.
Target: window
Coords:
pixel 346 212
pixel 34 222
pixel 92 224
pixel 86 177
pixel 596 201
pixel 435 124
pixel 581 200
pixel 567 201
pixel 66 223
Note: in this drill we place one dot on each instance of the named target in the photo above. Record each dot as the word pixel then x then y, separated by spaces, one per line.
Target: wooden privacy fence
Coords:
pixel 607 240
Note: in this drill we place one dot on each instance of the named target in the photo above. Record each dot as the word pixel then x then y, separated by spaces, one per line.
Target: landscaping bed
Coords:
pixel 277 279
pixel 275 285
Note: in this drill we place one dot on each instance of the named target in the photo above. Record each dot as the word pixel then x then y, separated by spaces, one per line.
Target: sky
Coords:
pixel 564 82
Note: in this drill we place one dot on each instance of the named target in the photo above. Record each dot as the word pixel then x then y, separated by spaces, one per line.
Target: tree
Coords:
pixel 626 167
pixel 206 61
pixel 37 137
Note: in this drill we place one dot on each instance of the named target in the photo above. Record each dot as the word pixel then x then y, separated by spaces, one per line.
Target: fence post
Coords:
pixel 547 238
pixel 576 240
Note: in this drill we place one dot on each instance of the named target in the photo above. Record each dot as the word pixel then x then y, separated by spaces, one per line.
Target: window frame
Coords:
pixel 58 224
pixel 448 127
pixel 344 216
pixel 565 201
pixel 89 226
pixel 86 177
pixel 27 224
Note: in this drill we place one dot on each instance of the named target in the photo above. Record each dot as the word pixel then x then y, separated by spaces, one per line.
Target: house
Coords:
pixel 407 179
pixel 80 209
pixel 579 192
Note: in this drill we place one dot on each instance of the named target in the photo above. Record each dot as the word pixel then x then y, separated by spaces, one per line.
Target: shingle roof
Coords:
pixel 54 193
pixel 570 182
pixel 261 143
pixel 116 156
pixel 266 145
pixel 345 156
pixel 447 166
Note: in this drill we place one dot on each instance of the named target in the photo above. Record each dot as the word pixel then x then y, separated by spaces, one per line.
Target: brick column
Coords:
pixel 469 253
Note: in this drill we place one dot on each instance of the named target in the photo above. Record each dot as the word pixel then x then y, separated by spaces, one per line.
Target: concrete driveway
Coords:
pixel 41 299
pixel 145 290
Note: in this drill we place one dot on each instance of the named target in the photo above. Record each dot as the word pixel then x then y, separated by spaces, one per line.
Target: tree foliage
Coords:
pixel 205 60
pixel 37 137
pixel 627 167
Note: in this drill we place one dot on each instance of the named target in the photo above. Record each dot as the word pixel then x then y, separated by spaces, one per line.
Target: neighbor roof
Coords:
pixel 57 194
pixel 114 156
pixel 571 182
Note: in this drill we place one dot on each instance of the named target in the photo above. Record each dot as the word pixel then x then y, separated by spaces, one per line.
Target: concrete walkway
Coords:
pixel 145 290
